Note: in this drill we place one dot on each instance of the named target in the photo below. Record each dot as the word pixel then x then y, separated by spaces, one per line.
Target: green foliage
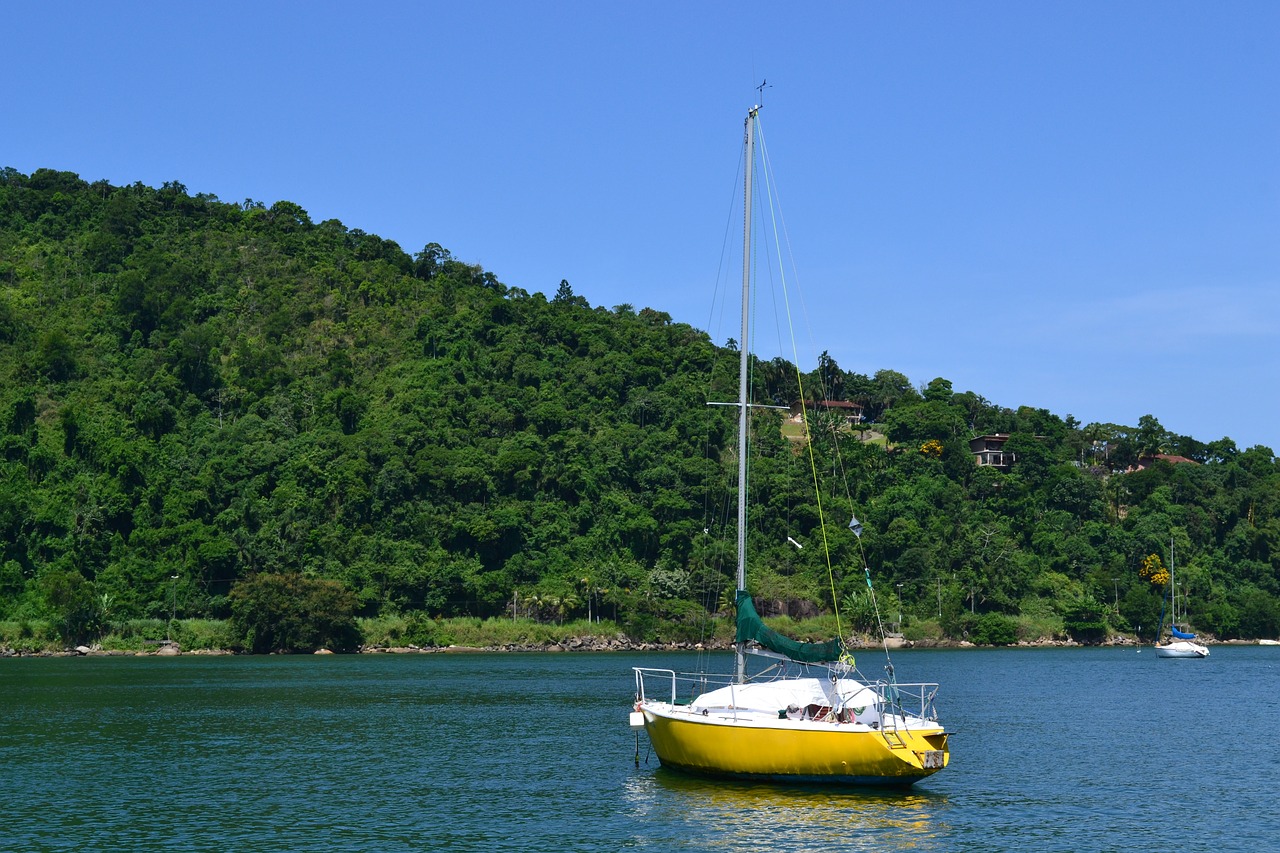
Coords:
pixel 292 613
pixel 196 394
pixel 424 632
pixel 928 630
pixel 857 609
pixel 1085 620
pixel 994 629
pixel 80 612
pixel 1257 616
pixel 29 636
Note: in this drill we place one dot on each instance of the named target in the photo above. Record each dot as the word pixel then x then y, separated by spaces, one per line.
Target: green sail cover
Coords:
pixel 752 627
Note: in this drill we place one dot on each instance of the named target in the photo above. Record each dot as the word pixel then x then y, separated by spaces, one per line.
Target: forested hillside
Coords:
pixel 195 393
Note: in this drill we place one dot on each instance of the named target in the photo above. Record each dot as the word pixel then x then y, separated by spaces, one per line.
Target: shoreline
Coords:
pixel 590 644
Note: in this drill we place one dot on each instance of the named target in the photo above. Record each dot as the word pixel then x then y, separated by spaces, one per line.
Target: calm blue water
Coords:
pixel 1054 749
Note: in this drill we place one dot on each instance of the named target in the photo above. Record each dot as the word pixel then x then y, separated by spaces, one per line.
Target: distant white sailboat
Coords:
pixel 1181 644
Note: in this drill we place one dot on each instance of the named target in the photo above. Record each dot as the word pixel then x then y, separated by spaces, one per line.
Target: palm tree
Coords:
pixel 728 600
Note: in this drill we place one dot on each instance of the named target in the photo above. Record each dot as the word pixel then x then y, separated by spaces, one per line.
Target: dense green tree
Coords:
pixel 291 613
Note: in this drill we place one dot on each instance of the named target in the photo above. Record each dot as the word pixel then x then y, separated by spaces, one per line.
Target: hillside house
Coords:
pixel 988 450
pixel 851 412
pixel 1147 461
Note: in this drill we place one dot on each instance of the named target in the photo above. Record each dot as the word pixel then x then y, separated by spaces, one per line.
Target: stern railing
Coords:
pixel 669 683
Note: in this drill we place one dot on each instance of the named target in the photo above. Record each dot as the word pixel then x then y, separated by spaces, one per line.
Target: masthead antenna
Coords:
pixel 764 84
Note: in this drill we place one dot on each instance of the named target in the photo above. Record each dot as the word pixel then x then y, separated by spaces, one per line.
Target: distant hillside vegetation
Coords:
pixel 195 393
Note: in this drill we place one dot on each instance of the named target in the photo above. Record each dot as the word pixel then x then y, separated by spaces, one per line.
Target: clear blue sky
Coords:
pixel 1069 205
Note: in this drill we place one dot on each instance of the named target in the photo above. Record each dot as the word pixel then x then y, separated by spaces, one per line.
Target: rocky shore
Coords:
pixel 585 644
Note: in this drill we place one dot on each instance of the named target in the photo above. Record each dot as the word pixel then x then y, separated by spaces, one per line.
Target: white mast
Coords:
pixel 744 353
pixel 743 356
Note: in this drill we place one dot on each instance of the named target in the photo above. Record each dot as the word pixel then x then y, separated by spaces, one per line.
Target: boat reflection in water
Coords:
pixel 720 814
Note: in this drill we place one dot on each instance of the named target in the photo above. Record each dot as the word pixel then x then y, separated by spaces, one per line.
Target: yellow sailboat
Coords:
pixel 807 715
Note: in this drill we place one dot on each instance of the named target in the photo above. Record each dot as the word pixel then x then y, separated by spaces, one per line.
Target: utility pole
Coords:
pixel 173 607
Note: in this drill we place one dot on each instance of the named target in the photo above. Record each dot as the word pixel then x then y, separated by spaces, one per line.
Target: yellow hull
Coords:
pixel 789 752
